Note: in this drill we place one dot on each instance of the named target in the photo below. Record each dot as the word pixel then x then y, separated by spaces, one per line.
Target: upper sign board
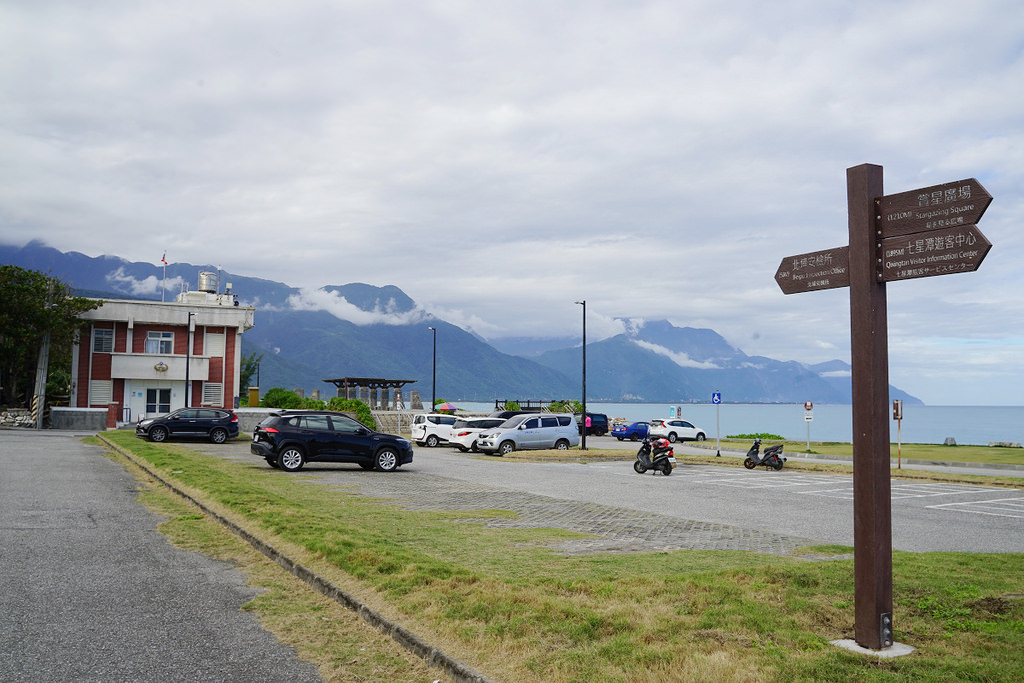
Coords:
pixel 826 269
pixel 950 205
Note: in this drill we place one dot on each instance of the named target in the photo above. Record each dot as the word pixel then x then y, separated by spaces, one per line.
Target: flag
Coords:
pixel 163 259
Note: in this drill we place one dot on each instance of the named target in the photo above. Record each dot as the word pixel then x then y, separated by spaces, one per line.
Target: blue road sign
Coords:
pixel 716 397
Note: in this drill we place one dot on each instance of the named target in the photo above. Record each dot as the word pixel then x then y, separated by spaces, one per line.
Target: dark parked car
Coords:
pixel 598 424
pixel 216 424
pixel 288 439
pixel 633 432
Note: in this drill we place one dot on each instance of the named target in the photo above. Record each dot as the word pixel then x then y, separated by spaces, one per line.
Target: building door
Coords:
pixel 158 401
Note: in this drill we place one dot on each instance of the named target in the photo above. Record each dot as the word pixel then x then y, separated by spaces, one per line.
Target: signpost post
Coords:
pixel 921 233
pixel 716 398
pixel 808 418
pixel 897 414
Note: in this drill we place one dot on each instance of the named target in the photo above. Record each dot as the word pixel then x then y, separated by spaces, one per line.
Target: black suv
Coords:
pixel 215 424
pixel 598 424
pixel 288 439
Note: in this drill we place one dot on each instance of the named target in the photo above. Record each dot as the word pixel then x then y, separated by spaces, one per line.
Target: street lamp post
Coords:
pixel 433 381
pixel 188 356
pixel 583 443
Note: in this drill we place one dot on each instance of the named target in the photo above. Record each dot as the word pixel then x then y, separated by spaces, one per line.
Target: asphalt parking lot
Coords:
pixel 699 506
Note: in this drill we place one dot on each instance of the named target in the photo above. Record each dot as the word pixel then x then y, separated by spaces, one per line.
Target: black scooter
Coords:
pixel 655 455
pixel 772 457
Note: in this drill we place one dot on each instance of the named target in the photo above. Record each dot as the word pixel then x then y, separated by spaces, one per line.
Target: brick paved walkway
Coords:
pixel 610 529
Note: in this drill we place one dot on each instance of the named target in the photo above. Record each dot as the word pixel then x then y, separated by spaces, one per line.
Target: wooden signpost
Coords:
pixel 922 233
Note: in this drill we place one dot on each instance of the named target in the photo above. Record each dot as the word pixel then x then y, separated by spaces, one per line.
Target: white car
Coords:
pixel 464 431
pixel 675 429
pixel 430 429
pixel 530 431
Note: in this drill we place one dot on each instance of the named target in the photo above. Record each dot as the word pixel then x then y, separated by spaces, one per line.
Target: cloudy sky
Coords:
pixel 499 160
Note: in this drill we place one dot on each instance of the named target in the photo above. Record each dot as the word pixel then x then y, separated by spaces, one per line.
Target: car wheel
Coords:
pixel 366 465
pixel 432 441
pixel 219 435
pixel 672 437
pixel 291 459
pixel 387 460
pixel 272 462
pixel 620 438
pixel 474 448
pixel 463 449
pixel 561 445
pixel 158 434
pixel 506 447
pixel 700 437
pixel 749 464
pixel 638 467
pixel 634 437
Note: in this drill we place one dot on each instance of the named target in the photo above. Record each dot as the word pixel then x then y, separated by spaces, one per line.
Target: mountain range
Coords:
pixel 362 330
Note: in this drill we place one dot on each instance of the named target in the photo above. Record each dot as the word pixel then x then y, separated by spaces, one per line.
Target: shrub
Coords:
pixel 281 398
pixel 351 405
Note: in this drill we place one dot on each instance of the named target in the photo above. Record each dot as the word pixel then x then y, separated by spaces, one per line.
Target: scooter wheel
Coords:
pixel 777 465
pixel 667 469
pixel 638 468
pixel 749 464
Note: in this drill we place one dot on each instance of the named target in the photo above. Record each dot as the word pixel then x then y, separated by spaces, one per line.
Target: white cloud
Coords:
pixel 339 307
pixel 123 282
pixel 677 357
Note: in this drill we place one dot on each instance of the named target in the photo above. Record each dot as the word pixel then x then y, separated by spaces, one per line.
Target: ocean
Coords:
pixel 978 425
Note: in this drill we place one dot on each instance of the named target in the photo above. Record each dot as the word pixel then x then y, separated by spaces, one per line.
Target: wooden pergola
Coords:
pixel 374 391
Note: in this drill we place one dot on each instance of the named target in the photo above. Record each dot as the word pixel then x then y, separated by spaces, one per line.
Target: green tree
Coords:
pixel 281 398
pixel 35 304
pixel 351 405
pixel 248 368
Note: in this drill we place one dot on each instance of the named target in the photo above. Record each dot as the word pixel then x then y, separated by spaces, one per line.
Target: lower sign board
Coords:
pixel 826 269
pixel 959 249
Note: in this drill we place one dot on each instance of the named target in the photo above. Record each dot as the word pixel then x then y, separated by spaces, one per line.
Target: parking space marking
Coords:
pixel 998 507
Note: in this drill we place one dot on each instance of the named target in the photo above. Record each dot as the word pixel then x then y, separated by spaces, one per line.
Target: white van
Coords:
pixel 530 431
pixel 431 429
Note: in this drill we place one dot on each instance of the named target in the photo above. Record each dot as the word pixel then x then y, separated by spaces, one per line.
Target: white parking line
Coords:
pixel 999 507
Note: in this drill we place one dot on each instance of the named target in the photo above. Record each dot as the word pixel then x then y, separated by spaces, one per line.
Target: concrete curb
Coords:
pixel 434 656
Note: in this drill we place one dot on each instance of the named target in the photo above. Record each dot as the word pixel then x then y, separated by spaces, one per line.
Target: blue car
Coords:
pixel 633 432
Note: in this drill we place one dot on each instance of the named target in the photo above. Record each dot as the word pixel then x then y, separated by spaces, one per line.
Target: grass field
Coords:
pixel 510 607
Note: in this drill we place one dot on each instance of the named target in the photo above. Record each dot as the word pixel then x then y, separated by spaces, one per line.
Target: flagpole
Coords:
pixel 163 282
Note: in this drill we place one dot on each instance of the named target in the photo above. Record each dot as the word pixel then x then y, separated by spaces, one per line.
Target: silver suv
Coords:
pixel 531 431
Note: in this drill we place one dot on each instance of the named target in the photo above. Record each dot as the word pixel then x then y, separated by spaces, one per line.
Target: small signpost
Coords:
pixel 716 398
pixel 808 418
pixel 897 414
pixel 921 233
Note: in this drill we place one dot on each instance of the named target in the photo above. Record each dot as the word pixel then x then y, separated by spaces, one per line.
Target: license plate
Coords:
pixel 673 461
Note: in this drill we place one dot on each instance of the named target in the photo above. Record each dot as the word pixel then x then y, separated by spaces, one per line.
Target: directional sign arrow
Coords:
pixel 826 269
pixel 950 205
pixel 959 249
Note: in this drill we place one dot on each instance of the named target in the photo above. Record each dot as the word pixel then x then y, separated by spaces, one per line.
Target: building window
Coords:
pixel 160 342
pixel 158 401
pixel 102 340
pixel 100 392
pixel 213 393
pixel 214 344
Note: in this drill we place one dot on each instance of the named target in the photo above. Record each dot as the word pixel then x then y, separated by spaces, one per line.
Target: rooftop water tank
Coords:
pixel 208 282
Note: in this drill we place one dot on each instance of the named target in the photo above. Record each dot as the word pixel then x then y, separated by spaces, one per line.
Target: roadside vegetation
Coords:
pixel 504 602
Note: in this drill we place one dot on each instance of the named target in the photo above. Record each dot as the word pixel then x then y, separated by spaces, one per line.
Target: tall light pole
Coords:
pixel 583 443
pixel 188 356
pixel 433 381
